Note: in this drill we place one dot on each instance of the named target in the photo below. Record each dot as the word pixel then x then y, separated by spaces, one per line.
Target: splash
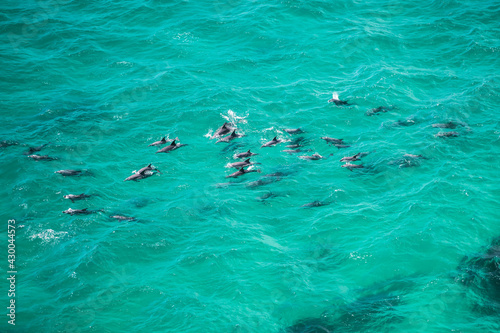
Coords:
pixel 48 235
pixel 232 117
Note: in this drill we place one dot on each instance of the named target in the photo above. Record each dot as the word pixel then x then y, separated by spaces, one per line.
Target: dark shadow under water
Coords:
pixel 480 274
pixel 376 308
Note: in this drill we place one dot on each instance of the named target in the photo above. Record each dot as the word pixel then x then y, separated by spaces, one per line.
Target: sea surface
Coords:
pixel 404 244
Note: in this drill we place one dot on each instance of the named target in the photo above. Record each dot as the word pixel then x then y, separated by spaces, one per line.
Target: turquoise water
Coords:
pixel 402 245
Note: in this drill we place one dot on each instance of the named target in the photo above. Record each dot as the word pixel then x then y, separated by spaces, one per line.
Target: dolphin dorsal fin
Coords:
pixel 84 209
pixel 149 165
pixel 248 151
pixel 247 160
pixel 234 133
pixel 224 126
pixel 164 139
pixel 173 143
pixel 82 194
pixel 275 139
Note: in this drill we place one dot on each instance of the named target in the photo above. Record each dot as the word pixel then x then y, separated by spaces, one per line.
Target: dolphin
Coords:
pixel 332 140
pixel 316 203
pixel 230 137
pixel 267 195
pixel 408 160
pixel 269 178
pixel 69 172
pixel 404 123
pixel 240 165
pixel 293 130
pixel 172 146
pixel 263 181
pixel 341 146
pixel 350 158
pixel 358 156
pixel 449 124
pixel 136 176
pixel 32 150
pixel 415 156
pixel 277 174
pixel 447 134
pixel 159 143
pixel 224 129
pixel 335 99
pixel 7 143
pixel 378 110
pixel 295 151
pixel 122 218
pixel 353 166
pixel 313 157
pixel 271 143
pixel 74 197
pixel 42 157
pixel 146 168
pixel 297 142
pixel 149 167
pixel 245 154
pixel 84 211
pixel 141 175
pixel 241 172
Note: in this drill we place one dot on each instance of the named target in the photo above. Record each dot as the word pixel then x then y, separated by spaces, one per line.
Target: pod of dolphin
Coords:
pixel 227 133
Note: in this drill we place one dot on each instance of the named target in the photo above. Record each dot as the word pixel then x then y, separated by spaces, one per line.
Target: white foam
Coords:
pixel 48 235
pixel 234 118
pixel 209 134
